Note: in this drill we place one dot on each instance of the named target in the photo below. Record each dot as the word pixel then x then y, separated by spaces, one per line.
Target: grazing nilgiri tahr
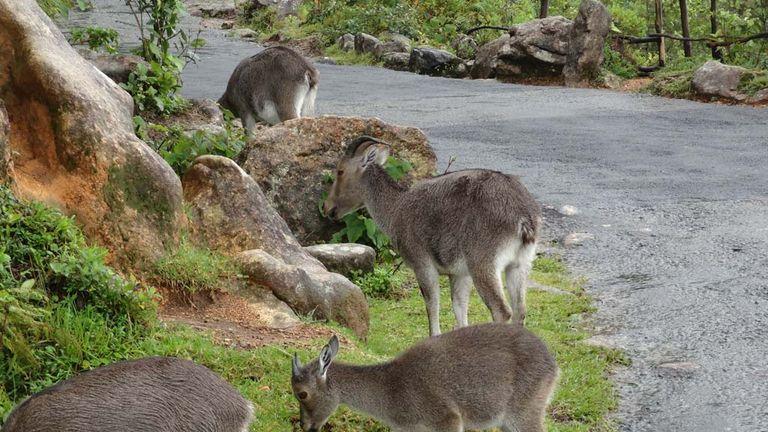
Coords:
pixel 473 378
pixel 471 225
pixel 156 394
pixel 275 85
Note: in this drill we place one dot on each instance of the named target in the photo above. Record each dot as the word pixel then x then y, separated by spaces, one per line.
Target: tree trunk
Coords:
pixel 686 29
pixel 716 53
pixel 544 11
pixel 659 30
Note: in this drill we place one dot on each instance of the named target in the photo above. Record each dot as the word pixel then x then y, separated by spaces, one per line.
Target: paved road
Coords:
pixel 674 192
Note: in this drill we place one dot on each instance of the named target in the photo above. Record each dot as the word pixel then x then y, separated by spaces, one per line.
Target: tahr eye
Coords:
pixel 339 173
pixel 302 395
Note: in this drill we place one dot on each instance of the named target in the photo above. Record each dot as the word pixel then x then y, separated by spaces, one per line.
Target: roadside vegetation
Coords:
pixel 437 23
pixel 65 311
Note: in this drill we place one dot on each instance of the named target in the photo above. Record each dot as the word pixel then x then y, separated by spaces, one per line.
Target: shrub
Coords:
pixel 62 309
pixel 383 282
pixel 97 38
pixel 179 147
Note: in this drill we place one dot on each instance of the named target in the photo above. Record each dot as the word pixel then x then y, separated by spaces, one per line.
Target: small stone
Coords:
pixel 227 25
pixel 396 61
pixel 679 366
pixel 344 258
pixel 576 239
pixel 244 33
pixel 325 60
pixel 568 210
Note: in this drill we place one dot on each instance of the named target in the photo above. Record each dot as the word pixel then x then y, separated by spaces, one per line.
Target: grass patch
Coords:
pixel 191 269
pixel 351 57
pixel 753 82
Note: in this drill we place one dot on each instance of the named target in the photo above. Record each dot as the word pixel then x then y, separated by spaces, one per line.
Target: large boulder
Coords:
pixel 291 161
pixel 714 79
pixel 73 145
pixel 535 48
pixel 587 43
pixel 393 46
pixel 229 212
pixel 432 61
pixel 396 60
pixel 116 66
pixel 367 44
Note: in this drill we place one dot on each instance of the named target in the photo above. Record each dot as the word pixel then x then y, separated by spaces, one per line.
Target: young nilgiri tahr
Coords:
pixel 471 225
pixel 474 378
pixel 273 86
pixel 156 394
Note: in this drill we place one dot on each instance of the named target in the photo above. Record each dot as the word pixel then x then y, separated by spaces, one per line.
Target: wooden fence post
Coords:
pixel 544 11
pixel 685 26
pixel 716 53
pixel 660 30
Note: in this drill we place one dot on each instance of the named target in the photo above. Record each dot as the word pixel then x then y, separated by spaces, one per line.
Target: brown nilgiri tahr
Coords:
pixel 155 394
pixel 474 378
pixel 272 86
pixel 471 225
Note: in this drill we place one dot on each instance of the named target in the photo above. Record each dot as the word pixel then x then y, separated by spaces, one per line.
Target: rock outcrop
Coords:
pixel 367 44
pixel 714 79
pixel 344 258
pixel 229 212
pixel 587 42
pixel 346 42
pixel 550 47
pixel 72 141
pixel 291 160
pixel 432 61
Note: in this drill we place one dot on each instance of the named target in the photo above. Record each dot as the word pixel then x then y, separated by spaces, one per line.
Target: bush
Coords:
pixel 383 282
pixel 97 38
pixel 179 147
pixel 62 309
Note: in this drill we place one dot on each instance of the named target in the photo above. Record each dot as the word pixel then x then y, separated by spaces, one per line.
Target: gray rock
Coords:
pixel 714 79
pixel 465 46
pixel 86 159
pixel 271 310
pixel 760 97
pixel 325 60
pixel 346 42
pixel 6 164
pixel 576 239
pixel 212 8
pixel 390 47
pixel 344 258
pixel 244 33
pixel 432 61
pixel 229 212
pixel 116 66
pixel 396 37
pixel 535 48
pixel 366 44
pixel 587 42
pixel 396 61
pixel 227 25
pixel 611 81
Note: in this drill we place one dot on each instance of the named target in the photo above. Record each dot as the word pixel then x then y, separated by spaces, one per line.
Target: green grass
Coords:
pixel 351 57
pixel 191 269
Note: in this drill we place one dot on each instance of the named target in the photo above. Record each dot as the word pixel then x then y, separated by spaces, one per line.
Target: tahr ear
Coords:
pixel 377 153
pixel 295 366
pixel 327 355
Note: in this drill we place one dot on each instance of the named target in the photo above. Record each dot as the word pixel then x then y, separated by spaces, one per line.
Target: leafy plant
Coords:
pixel 97 38
pixel 179 147
pixel 384 282
pixel 155 88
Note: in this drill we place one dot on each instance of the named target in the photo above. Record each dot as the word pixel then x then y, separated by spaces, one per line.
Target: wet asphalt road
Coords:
pixel 674 192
